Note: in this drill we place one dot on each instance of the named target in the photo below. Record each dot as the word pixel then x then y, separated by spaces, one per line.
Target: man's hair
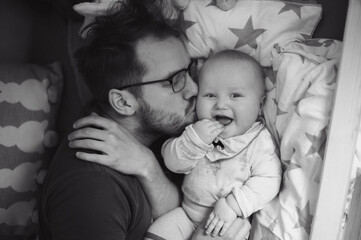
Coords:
pixel 109 60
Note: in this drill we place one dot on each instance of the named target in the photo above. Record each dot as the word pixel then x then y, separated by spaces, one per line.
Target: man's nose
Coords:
pixel 191 88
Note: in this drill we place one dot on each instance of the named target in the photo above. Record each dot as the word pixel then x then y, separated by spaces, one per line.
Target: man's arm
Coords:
pixel 162 194
pixel 119 150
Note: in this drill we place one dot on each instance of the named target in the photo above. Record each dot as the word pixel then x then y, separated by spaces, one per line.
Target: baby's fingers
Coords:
pixel 212 225
pixel 217 228
pixel 217 130
pixel 224 228
pixel 209 220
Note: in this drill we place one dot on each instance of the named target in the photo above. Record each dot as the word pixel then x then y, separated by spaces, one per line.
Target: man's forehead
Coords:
pixel 161 57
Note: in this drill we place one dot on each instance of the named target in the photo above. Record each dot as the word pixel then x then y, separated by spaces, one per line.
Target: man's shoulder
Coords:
pixel 66 166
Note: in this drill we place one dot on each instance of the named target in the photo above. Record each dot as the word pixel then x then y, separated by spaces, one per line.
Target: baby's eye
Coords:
pixel 210 95
pixel 236 95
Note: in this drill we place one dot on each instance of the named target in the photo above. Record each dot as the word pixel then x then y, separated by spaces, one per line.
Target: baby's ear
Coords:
pixel 262 101
pixel 123 102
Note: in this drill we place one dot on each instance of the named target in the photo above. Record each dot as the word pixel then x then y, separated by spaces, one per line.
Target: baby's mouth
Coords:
pixel 224 120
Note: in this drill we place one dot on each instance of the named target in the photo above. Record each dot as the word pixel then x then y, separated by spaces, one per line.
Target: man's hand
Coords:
pixel 220 218
pixel 118 148
pixel 208 130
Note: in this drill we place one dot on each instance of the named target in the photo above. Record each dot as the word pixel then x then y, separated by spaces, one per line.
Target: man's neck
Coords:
pixel 133 126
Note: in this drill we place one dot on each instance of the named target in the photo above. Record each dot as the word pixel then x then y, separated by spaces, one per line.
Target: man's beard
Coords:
pixel 159 121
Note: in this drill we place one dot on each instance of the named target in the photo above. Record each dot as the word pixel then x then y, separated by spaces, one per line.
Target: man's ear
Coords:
pixel 123 102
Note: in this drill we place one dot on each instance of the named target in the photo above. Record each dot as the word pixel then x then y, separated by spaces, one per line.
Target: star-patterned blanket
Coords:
pixel 300 90
pixel 301 79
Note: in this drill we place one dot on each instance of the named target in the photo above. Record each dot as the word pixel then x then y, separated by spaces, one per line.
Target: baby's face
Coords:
pixel 228 93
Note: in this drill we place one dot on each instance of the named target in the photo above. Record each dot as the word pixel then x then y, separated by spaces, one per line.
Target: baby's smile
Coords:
pixel 223 119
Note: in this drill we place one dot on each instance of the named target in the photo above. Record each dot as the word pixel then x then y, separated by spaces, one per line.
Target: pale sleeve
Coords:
pixel 265 180
pixel 181 154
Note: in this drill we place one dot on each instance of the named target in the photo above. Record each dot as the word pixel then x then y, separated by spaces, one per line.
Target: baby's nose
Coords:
pixel 221 104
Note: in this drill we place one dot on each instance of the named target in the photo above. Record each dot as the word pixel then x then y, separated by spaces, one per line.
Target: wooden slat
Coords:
pixel 340 148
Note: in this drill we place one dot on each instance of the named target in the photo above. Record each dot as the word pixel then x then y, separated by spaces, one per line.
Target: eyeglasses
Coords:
pixel 177 80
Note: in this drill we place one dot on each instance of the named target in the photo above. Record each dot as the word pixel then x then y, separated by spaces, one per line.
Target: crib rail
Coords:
pixel 340 148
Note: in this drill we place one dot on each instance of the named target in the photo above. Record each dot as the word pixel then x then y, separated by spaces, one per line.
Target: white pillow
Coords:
pixel 252 26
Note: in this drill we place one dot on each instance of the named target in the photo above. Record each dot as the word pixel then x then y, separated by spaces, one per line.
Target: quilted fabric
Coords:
pixel 251 26
pixel 29 99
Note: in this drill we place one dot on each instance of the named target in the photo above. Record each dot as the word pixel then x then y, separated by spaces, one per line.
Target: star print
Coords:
pixel 317 142
pixel 272 76
pixel 302 58
pixel 278 135
pixel 210 53
pixel 335 67
pixel 304 218
pixel 333 80
pixel 305 36
pixel 274 101
pixel 267 233
pixel 291 7
pixel 211 3
pixel 184 24
pixel 293 166
pixel 296 103
pixel 317 42
pixel 280 112
pixel 297 111
pixel 288 161
pixel 247 35
pixel 216 166
pixel 297 106
pixel 273 224
pixel 328 42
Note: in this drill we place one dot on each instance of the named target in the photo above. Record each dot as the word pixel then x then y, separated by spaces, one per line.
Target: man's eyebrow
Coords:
pixel 177 71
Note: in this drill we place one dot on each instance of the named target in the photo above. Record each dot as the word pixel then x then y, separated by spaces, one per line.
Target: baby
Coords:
pixel 228 155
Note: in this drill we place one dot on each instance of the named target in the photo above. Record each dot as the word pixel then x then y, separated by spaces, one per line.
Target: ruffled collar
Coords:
pixel 234 145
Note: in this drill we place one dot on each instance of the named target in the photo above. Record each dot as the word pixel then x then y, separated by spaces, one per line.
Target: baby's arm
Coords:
pixel 265 180
pixel 182 153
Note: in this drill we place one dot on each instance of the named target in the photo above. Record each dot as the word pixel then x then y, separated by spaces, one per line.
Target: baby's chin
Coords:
pixel 228 133
pixel 225 135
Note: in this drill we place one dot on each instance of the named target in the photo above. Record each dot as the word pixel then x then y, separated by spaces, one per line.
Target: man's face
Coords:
pixel 163 110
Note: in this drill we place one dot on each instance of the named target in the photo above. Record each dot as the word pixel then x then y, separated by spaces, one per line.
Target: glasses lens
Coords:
pixel 193 70
pixel 179 81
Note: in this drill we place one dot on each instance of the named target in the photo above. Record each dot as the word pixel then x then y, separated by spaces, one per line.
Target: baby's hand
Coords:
pixel 220 218
pixel 208 130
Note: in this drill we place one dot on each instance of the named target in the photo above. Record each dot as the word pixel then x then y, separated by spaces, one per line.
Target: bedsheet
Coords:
pixel 300 88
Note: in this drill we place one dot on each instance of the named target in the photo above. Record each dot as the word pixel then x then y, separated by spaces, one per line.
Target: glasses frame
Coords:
pixel 168 79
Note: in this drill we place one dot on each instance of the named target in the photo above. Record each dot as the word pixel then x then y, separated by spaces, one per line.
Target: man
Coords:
pixel 138 71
